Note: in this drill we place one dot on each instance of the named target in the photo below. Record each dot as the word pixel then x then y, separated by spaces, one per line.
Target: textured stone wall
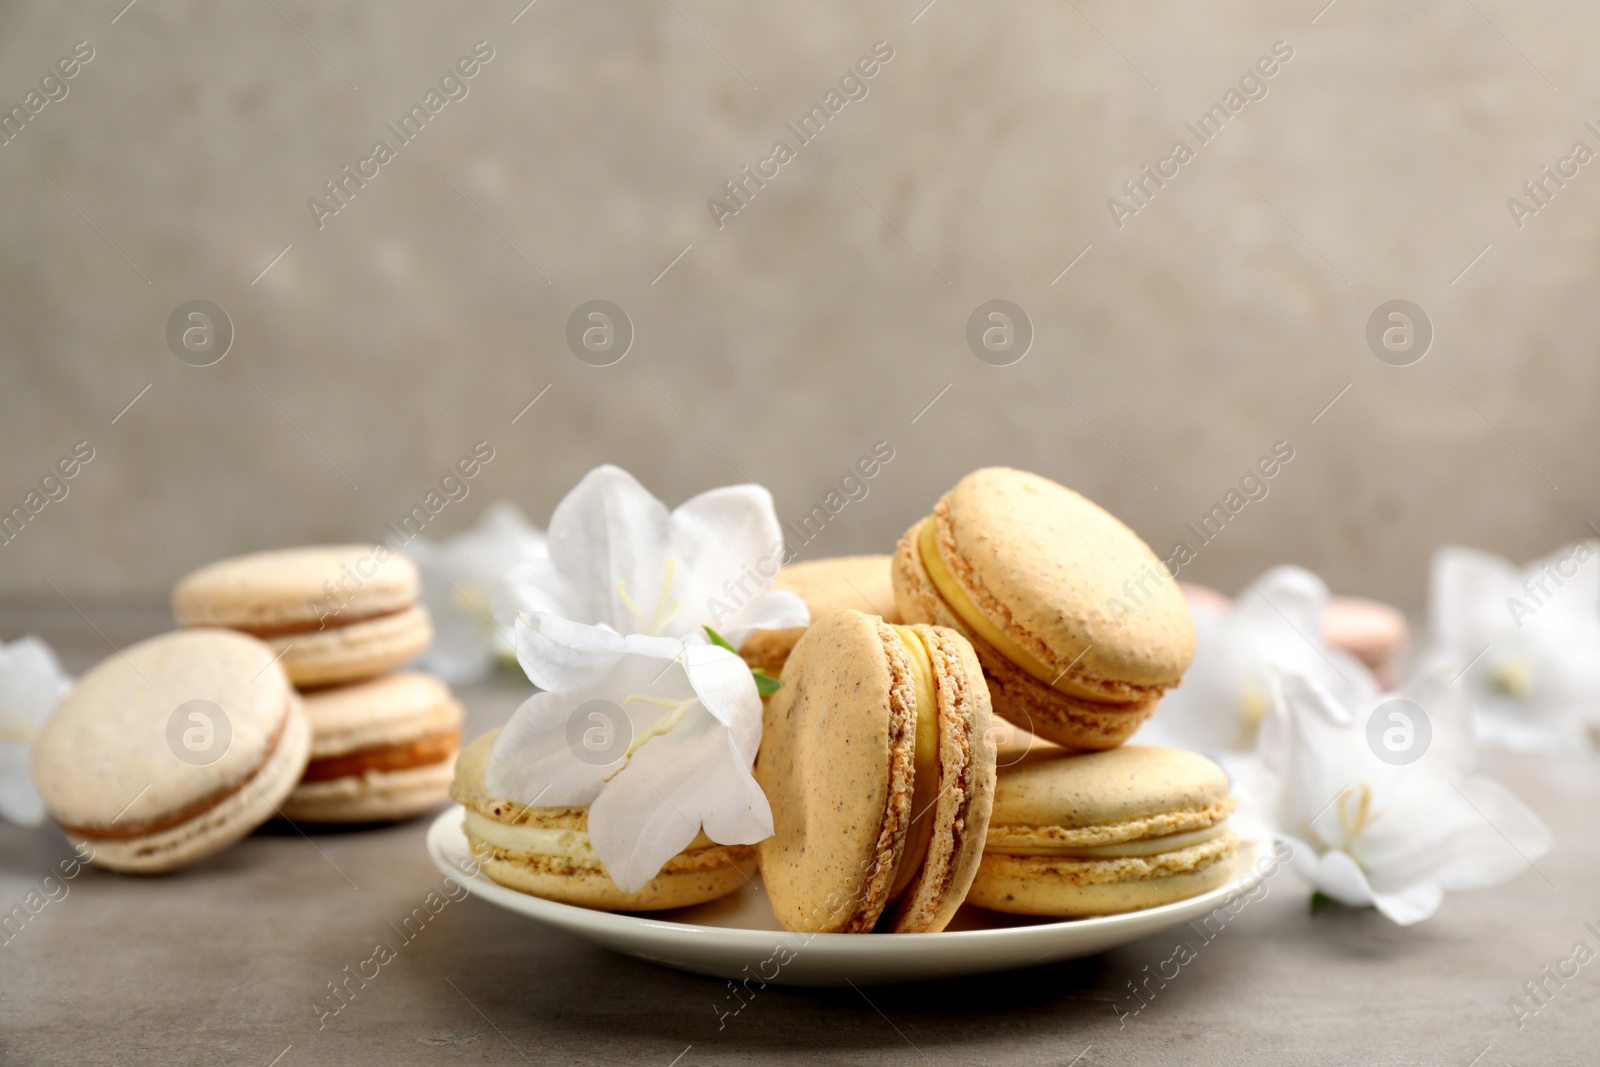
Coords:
pixel 1210 317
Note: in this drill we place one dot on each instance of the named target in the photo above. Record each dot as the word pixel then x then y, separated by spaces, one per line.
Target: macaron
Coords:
pixel 381 750
pixel 545 852
pixel 875 757
pixel 826 585
pixel 171 749
pixel 1373 632
pixel 1077 623
pixel 336 613
pixel 1100 833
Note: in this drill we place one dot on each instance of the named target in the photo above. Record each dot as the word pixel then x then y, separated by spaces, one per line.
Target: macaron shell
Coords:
pixel 836 765
pixel 107 757
pixel 214 829
pixel 383 796
pixel 390 710
pixel 296 585
pixel 353 653
pixel 1043 885
pixel 1053 570
pixel 1017 696
pixel 966 786
pixel 689 878
pixel 861 583
pixel 1122 786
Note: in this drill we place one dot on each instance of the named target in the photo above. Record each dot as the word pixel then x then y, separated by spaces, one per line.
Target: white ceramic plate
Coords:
pixel 737 937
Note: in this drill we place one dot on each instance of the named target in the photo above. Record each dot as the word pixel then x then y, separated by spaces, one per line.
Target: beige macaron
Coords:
pixel 336 613
pixel 826 585
pixel 380 750
pixel 546 851
pixel 875 756
pixel 171 749
pixel 1101 833
pixel 1078 625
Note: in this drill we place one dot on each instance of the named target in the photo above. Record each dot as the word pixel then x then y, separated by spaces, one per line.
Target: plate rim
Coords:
pixel 632 924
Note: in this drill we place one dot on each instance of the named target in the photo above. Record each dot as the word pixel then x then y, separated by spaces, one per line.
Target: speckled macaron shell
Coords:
pixel 344 654
pixel 826 585
pixel 1018 697
pixel 967 762
pixel 701 873
pixel 1101 799
pixel 1050 568
pixel 836 764
pixel 106 762
pixel 390 711
pixel 288 587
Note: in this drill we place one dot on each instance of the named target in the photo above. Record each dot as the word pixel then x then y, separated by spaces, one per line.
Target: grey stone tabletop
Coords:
pixel 233 959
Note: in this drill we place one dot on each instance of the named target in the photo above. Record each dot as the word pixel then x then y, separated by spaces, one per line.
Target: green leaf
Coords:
pixel 718 640
pixel 766 684
pixel 1320 902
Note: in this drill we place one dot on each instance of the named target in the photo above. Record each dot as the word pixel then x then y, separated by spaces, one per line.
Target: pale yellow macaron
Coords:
pixel 861 583
pixel 1078 625
pixel 336 613
pixel 875 758
pixel 546 851
pixel 380 750
pixel 171 749
pixel 1101 833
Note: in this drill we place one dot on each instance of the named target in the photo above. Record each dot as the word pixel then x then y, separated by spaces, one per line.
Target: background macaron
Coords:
pixel 171 749
pixel 861 583
pixel 1101 833
pixel 336 613
pixel 1078 625
pixel 381 749
pixel 874 757
pixel 545 851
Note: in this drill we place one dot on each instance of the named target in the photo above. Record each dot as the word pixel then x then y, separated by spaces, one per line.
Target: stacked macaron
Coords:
pixel 1105 832
pixel 339 618
pixel 1077 624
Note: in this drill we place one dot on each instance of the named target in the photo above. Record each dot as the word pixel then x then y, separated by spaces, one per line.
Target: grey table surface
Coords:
pixel 230 960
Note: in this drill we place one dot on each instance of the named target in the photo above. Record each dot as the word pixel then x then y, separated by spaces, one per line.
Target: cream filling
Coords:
pixel 924 761
pixel 958 601
pixel 1150 846
pixel 545 840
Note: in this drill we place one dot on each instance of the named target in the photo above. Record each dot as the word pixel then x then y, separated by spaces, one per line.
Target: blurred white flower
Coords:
pixel 31 684
pixel 1275 623
pixel 1378 798
pixel 656 735
pixel 459 575
pixel 1529 639
pixel 619 559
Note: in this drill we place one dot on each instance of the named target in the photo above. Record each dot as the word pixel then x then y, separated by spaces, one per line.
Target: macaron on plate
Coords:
pixel 739 937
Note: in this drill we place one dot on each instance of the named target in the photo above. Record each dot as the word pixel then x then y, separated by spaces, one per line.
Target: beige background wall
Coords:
pixel 1223 317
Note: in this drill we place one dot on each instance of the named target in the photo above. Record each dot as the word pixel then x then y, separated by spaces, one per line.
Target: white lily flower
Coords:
pixel 1530 638
pixel 655 735
pixel 32 683
pixel 619 559
pixel 1275 623
pixel 1380 802
pixel 459 575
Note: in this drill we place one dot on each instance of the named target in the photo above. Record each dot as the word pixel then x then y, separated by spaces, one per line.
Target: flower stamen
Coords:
pixel 661 726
